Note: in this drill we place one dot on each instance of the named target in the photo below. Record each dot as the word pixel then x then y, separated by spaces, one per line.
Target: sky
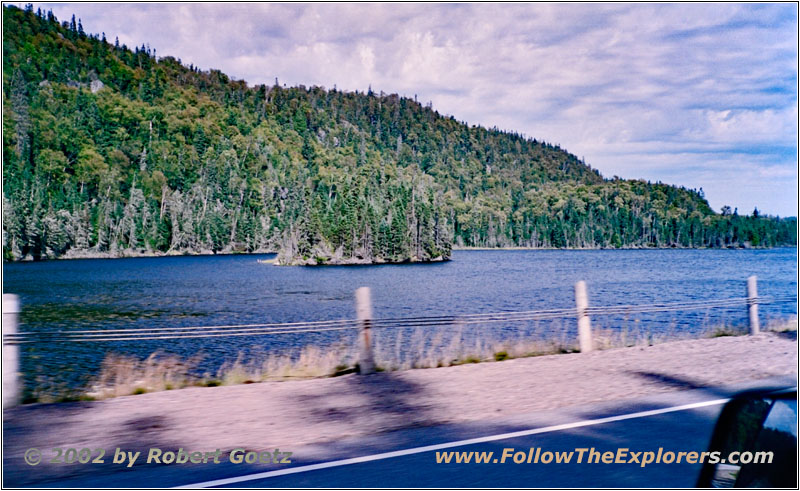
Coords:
pixel 694 94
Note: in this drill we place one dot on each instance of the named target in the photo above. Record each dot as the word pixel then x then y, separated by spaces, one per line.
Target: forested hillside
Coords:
pixel 113 150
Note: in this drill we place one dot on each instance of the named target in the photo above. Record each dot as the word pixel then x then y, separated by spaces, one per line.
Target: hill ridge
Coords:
pixel 111 150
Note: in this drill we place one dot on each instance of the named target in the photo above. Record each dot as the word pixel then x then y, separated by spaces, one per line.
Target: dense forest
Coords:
pixel 111 150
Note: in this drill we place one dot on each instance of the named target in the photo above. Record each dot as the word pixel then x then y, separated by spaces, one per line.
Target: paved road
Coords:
pixel 677 421
pixel 680 431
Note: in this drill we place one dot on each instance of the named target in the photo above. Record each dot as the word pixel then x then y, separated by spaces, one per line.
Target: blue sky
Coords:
pixel 695 94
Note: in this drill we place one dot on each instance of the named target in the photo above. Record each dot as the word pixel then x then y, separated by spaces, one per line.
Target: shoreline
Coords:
pixel 123 375
pixel 632 248
pixel 127 253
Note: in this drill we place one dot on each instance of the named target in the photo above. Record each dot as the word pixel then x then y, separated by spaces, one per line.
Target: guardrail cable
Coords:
pixel 191 332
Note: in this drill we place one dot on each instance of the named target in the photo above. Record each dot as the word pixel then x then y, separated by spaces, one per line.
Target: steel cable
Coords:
pixel 344 324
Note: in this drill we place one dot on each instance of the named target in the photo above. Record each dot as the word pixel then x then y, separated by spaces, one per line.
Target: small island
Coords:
pixel 337 259
pixel 409 237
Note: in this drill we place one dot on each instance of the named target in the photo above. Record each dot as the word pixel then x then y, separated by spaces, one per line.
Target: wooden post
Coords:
pixel 366 362
pixel 11 385
pixel 584 324
pixel 752 304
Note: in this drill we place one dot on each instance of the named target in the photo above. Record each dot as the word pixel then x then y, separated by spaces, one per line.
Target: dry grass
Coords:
pixel 770 325
pixel 310 363
pixel 125 375
pixel 48 390
pixel 128 375
pixel 441 347
pixel 397 349
pixel 781 325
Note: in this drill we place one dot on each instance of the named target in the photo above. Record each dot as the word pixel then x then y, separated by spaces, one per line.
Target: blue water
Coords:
pixel 213 290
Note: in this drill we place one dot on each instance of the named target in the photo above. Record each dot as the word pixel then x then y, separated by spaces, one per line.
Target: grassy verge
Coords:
pixel 393 350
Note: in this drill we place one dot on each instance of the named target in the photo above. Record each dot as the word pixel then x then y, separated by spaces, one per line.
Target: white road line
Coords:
pixel 441 446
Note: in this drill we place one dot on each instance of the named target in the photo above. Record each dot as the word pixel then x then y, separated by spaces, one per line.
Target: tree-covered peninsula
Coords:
pixel 111 150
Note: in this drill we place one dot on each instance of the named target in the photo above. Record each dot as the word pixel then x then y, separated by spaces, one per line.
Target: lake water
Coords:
pixel 217 290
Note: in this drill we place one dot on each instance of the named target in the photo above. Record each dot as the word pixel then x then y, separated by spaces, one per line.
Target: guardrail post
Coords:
pixel 584 324
pixel 752 304
pixel 11 385
pixel 366 362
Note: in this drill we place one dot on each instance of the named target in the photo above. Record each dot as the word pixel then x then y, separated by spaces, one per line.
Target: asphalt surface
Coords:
pixel 677 430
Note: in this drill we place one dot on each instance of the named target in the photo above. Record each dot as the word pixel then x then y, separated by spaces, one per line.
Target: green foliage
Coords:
pixel 107 148
pixel 501 356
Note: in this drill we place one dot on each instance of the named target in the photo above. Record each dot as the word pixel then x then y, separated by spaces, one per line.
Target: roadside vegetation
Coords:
pixel 122 375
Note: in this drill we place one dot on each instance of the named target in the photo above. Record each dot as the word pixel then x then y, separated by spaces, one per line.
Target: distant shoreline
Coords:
pixel 632 248
pixel 127 253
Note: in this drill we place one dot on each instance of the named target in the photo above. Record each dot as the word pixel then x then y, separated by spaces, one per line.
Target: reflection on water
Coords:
pixel 55 314
pixel 218 290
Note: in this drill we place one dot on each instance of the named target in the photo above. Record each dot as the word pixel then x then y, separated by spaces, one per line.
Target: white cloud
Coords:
pixel 702 95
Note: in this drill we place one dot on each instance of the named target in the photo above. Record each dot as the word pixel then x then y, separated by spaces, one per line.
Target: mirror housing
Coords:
pixel 762 425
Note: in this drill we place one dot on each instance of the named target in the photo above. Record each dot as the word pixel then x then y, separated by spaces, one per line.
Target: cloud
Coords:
pixel 703 95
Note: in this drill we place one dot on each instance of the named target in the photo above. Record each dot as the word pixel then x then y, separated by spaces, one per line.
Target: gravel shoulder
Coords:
pixel 267 415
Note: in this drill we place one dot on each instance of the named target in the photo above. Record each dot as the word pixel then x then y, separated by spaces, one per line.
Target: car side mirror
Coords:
pixel 754 443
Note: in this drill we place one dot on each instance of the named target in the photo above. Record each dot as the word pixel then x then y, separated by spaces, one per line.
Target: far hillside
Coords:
pixel 112 150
